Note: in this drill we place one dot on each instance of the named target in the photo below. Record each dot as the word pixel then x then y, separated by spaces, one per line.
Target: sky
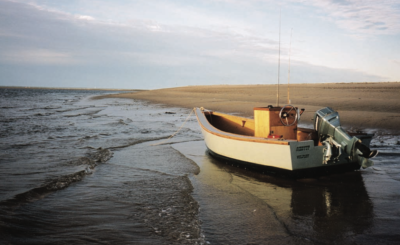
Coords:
pixel 151 44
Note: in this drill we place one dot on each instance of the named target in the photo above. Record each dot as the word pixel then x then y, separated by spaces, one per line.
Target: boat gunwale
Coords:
pixel 215 131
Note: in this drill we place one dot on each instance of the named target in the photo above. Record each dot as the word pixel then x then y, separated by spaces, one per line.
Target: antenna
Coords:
pixel 279 59
pixel 288 82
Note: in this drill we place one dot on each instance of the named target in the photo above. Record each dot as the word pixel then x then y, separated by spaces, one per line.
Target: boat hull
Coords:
pixel 299 173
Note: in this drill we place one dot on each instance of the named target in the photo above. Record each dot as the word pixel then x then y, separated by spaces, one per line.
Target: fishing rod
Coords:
pixel 279 59
pixel 290 49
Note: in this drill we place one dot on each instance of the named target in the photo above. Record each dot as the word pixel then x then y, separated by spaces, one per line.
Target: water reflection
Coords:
pixel 332 208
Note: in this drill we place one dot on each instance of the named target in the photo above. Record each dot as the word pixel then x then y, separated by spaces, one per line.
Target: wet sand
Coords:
pixel 360 105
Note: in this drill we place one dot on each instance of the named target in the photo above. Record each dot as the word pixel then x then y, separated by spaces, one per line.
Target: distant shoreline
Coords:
pixel 61 88
pixel 362 106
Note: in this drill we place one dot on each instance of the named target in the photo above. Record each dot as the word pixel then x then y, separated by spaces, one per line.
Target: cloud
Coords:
pixel 38 57
pixel 366 17
pixel 85 17
pixel 43 46
pixel 43 34
pixel 302 72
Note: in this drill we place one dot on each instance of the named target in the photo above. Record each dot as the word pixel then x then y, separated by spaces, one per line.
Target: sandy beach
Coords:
pixel 361 105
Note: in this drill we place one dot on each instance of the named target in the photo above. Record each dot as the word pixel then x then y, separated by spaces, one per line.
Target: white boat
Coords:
pixel 272 142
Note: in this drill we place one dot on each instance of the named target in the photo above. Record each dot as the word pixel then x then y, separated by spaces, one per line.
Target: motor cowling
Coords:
pixel 330 132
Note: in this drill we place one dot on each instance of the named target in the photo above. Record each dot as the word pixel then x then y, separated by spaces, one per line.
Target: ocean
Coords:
pixel 74 170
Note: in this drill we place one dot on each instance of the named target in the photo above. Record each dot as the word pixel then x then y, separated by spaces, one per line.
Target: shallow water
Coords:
pixel 81 171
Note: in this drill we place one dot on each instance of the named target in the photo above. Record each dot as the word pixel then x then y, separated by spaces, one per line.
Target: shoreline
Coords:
pixel 63 88
pixel 361 106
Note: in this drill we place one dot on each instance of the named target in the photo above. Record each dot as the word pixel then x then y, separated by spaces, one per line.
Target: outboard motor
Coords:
pixel 337 141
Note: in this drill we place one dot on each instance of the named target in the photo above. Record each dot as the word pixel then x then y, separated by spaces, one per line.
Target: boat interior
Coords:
pixel 279 123
pixel 269 122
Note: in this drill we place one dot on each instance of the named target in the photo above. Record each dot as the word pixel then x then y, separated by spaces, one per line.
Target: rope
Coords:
pixel 179 129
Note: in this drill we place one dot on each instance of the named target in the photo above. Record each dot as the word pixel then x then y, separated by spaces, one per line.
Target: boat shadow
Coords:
pixel 334 207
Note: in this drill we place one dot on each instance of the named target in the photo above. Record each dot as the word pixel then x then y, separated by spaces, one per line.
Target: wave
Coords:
pixel 61 182
pixel 74 109
pixel 139 142
pixel 43 114
pixel 392 154
pixel 90 113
